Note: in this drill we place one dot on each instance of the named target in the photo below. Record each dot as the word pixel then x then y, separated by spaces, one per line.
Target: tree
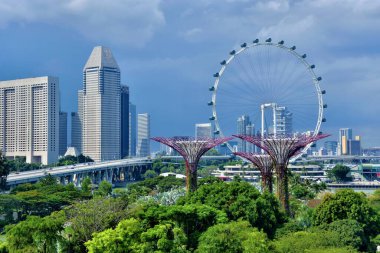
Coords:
pixel 4 171
pixel 312 241
pixel 234 237
pixel 347 204
pixel 132 236
pixel 90 216
pixel 240 200
pixel 150 174
pixel 86 185
pixel 35 234
pixel 105 189
pixel 339 173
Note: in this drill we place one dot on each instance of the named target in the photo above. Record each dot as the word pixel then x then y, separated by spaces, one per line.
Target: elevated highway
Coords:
pixel 111 171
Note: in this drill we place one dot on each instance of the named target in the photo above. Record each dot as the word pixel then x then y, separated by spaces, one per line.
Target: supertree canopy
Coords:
pixel 281 149
pixel 191 150
pixel 264 163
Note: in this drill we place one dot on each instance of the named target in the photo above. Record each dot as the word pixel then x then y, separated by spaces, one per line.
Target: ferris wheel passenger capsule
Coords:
pixel 216 74
pixel 243 45
pixel 212 88
pixel 324 120
pixel 256 41
pixel 217 132
pixel 212 118
pixel 268 40
pixel 323 92
pixel 232 52
pixel 293 48
pixel 303 56
pixel 312 66
pixel 223 62
pixel 325 106
pixel 319 78
pixel 281 42
pixel 210 103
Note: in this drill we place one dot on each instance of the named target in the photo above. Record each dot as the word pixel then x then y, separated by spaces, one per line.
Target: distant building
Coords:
pixel 203 130
pixel 245 127
pixel 132 130
pixel 345 134
pixel 284 120
pixel 143 135
pixel 62 133
pixel 72 151
pixel 29 119
pixel 124 102
pixel 101 106
pixel 331 147
pixel 354 146
pixel 76 132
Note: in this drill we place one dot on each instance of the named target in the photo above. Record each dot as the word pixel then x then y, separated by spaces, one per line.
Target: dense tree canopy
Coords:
pixel 347 204
pixel 339 173
pixel 241 200
pixel 4 171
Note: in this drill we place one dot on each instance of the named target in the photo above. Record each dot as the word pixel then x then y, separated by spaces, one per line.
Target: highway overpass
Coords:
pixel 111 171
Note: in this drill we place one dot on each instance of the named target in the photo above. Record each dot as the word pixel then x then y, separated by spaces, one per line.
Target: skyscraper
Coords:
pixel 29 119
pixel 245 127
pixel 101 106
pixel 331 147
pixel 143 134
pixel 132 130
pixel 76 132
pixel 203 130
pixel 345 134
pixel 124 102
pixel 284 120
pixel 62 133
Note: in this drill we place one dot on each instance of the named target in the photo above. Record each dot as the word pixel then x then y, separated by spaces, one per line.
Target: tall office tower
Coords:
pixel 354 146
pixel 76 132
pixel 29 119
pixel 143 134
pixel 331 147
pixel 132 130
pixel 203 130
pixel 345 134
pixel 242 123
pixel 62 133
pixel 250 131
pixel 284 121
pixel 101 106
pixel 124 102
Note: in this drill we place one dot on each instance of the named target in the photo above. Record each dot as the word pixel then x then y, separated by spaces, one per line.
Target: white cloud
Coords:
pixel 131 22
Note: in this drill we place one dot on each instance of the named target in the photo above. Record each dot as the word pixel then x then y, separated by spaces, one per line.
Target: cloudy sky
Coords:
pixel 168 51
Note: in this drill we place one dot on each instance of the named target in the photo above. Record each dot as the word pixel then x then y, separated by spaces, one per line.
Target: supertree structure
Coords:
pixel 281 149
pixel 264 163
pixel 191 149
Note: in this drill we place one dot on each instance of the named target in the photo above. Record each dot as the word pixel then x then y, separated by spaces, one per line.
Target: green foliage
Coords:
pixel 69 160
pixel 104 189
pixel 240 200
pixel 234 237
pixel 374 200
pixel 86 185
pixel 339 173
pixel 150 174
pixel 350 233
pixel 311 241
pixel 3 248
pixel 304 189
pixel 193 219
pixel 19 164
pixel 4 171
pixel 35 234
pixel 347 204
pixel 159 184
pixel 88 217
pixel 39 199
pixel 132 236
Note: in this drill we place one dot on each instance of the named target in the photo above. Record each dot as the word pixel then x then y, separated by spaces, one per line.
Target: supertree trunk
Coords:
pixel 283 187
pixel 267 183
pixel 191 177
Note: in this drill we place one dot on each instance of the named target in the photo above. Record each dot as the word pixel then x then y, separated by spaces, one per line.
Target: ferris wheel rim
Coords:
pixel 290 50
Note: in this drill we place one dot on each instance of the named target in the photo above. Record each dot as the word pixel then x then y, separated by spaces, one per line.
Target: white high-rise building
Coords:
pixel 29 119
pixel 101 106
pixel 62 133
pixel 203 130
pixel 284 121
pixel 132 130
pixel 143 134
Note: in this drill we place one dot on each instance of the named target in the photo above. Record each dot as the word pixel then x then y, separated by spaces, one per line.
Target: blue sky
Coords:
pixel 168 51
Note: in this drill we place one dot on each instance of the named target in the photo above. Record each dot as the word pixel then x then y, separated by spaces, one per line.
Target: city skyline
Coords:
pixel 181 58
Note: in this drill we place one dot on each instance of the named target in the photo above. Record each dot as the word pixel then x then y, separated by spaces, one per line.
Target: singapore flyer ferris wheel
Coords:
pixel 268 89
